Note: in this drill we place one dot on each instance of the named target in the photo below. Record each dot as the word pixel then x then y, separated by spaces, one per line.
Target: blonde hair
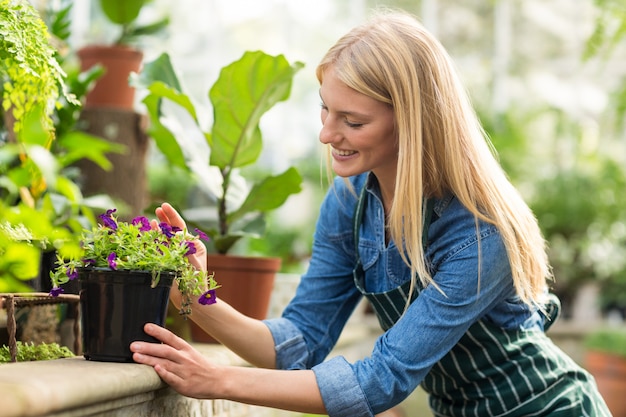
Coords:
pixel 441 145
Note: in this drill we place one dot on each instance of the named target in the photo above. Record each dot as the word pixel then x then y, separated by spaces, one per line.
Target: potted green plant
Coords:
pixel 120 58
pixel 606 360
pixel 120 263
pixel 243 92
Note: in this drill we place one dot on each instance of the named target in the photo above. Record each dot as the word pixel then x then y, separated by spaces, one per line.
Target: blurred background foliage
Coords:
pixel 547 79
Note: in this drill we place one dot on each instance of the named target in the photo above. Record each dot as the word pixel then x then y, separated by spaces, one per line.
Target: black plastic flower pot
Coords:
pixel 115 306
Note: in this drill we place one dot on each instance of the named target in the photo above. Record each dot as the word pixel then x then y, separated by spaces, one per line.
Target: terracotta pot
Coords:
pixel 610 373
pixel 246 285
pixel 114 307
pixel 112 89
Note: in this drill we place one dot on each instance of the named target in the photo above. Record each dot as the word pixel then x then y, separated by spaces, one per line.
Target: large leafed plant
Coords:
pixel 244 91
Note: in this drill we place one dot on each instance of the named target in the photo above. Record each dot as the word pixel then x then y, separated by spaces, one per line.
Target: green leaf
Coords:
pixel 223 244
pixel 269 194
pixel 45 162
pixel 81 145
pixel 33 132
pixel 121 12
pixel 161 69
pixel 145 30
pixel 21 260
pixel 162 91
pixel 162 136
pixel 69 189
pixel 60 21
pixel 160 79
pixel 244 91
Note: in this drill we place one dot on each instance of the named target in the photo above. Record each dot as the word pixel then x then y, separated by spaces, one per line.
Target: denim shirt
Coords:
pixel 403 355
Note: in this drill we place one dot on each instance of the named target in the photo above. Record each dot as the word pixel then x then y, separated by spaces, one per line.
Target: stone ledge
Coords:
pixel 77 387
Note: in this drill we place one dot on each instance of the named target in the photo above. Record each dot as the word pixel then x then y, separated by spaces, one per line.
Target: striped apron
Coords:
pixel 493 371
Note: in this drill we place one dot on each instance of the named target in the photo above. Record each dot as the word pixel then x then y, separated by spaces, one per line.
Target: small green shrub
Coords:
pixel 35 352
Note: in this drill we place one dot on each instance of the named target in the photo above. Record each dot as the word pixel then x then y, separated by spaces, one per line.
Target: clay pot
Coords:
pixel 112 90
pixel 609 370
pixel 246 285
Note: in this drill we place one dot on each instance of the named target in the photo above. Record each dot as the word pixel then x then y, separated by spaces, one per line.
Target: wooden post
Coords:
pixel 11 327
pixel 127 180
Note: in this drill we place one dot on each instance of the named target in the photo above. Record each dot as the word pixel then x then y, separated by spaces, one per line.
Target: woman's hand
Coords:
pixel 177 363
pixel 191 374
pixel 168 214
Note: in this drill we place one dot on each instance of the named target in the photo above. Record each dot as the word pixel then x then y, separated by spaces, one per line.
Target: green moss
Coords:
pixel 35 352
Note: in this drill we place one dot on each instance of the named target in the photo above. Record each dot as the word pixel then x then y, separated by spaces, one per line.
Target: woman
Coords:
pixel 463 299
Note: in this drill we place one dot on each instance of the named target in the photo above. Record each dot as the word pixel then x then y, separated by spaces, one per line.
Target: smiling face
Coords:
pixel 360 131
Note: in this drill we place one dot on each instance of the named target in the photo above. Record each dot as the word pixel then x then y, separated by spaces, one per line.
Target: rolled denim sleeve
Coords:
pixel 337 376
pixel 333 376
pixel 291 349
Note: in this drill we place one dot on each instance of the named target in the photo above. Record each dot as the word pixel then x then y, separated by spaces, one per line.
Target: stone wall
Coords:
pixel 81 388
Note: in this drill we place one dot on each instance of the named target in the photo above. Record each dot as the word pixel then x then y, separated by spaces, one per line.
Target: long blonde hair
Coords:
pixel 442 147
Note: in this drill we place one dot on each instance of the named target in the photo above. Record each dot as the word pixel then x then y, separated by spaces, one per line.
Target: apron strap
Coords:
pixel 389 305
pixel 358 219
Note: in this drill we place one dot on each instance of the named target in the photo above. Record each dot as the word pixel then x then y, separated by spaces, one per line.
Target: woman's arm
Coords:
pixel 193 375
pixel 231 328
pixel 247 337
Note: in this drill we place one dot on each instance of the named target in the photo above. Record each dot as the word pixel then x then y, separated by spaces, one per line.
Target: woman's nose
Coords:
pixel 328 134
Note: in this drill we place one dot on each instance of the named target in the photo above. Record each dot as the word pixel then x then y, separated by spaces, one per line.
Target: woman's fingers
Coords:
pixel 168 377
pixel 175 361
pixel 165 336
pixel 168 214
pixel 169 349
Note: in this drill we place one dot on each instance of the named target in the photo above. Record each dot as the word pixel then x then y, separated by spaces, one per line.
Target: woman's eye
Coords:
pixel 353 125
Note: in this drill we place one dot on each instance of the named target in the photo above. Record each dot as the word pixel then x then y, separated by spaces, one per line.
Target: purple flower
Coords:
pixel 143 221
pixel 166 229
pixel 108 220
pixel 111 260
pixel 89 262
pixel 191 248
pixel 208 298
pixel 176 229
pixel 71 273
pixel 201 234
pixel 56 291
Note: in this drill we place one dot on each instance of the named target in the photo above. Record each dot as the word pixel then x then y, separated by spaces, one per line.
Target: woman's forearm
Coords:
pixel 287 390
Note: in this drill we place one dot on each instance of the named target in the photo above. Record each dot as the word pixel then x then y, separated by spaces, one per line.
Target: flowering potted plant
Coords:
pixel 125 271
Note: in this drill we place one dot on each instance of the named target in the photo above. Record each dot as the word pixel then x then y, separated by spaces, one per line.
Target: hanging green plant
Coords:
pixel 29 73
